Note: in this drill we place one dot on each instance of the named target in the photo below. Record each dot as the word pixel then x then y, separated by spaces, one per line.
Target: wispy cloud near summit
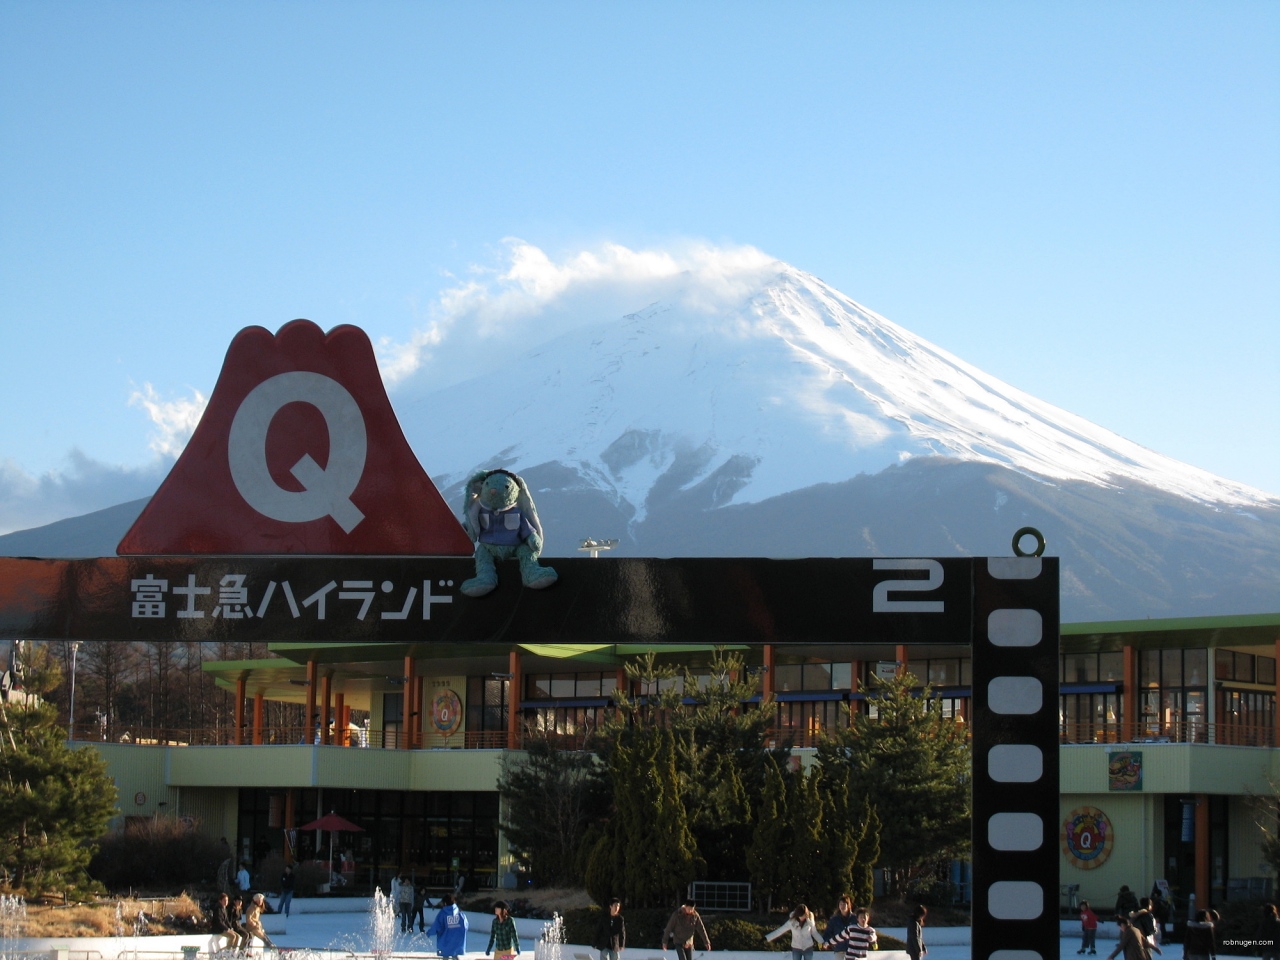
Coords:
pixel 529 297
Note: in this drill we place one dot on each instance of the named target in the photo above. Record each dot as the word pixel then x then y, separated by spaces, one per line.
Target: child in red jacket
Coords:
pixel 1088 928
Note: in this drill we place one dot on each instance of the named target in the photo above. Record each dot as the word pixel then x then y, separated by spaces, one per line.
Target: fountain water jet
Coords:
pixel 551 939
pixel 13 920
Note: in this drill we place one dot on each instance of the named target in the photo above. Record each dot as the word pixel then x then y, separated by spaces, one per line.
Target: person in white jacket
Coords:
pixel 804 933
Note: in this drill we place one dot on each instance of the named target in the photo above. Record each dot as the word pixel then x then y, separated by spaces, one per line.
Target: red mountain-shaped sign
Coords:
pixel 298 452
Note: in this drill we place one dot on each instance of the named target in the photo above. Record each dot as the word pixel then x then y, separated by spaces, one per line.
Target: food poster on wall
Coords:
pixel 1124 770
pixel 1087 838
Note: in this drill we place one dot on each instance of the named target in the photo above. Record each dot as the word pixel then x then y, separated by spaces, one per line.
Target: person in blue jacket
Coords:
pixel 450 930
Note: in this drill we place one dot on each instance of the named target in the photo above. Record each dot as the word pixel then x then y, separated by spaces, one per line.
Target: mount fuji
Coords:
pixel 798 423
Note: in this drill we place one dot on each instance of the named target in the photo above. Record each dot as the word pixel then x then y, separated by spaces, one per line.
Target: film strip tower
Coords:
pixel 1015 758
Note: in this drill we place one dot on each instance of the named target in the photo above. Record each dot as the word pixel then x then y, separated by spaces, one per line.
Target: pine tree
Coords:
pixel 55 802
pixel 912 765
pixel 768 838
pixel 552 797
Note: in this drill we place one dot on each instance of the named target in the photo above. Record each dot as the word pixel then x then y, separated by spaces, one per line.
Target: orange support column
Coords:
pixel 257 717
pixel 340 723
pixel 1129 699
pixel 345 711
pixel 406 725
pixel 904 660
pixel 236 735
pixel 325 736
pixel 313 679
pixel 515 685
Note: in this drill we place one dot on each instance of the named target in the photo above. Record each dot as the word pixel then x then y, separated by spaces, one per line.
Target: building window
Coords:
pixel 569 686
pixel 487 704
pixel 820 676
pixel 1172 691
pixel 802 721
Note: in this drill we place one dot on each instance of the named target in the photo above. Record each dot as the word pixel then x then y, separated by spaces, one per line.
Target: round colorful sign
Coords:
pixel 1087 838
pixel 446 712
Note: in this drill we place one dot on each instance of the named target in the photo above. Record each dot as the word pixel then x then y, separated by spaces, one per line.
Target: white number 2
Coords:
pixel 880 602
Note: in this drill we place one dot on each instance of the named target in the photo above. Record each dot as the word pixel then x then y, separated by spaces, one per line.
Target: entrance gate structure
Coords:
pixel 362 549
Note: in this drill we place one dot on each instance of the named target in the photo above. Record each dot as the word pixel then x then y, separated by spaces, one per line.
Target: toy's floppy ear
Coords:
pixel 472 489
pixel 471 504
pixel 524 500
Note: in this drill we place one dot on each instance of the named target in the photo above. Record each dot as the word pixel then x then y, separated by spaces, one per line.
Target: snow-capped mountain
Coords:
pixel 798 385
pixel 798 423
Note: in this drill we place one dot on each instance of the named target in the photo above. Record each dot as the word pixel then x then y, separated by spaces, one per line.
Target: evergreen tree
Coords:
pixel 55 802
pixel 769 836
pixel 913 765
pixel 810 844
pixel 721 745
pixel 552 797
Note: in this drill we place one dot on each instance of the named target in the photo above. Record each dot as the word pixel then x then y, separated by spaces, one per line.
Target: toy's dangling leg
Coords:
pixel 486 578
pixel 532 574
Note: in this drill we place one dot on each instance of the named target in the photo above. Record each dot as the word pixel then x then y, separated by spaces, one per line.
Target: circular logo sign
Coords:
pixel 446 712
pixel 139 798
pixel 1087 837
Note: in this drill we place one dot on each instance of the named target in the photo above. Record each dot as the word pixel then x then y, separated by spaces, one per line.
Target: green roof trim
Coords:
pixel 1239 630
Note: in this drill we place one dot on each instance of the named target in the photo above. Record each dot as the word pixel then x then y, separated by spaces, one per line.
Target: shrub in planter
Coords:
pixel 157 854
pixel 738 933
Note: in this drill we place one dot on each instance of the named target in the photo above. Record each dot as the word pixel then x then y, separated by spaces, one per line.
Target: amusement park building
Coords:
pixel 1169 731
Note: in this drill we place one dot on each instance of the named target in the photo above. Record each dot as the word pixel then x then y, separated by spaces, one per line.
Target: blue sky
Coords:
pixel 1082 199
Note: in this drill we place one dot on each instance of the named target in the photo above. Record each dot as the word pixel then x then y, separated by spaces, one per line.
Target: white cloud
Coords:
pixel 84 485
pixel 531 297
pixel 492 316
pixel 175 420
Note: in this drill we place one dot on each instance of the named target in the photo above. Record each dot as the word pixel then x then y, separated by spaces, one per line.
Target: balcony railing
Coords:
pixel 1224 734
pixel 1232 734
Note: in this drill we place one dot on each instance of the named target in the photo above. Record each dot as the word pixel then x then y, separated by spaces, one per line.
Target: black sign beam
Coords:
pixel 1006 609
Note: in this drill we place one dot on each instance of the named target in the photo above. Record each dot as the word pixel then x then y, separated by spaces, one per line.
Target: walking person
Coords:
pixel 1145 920
pixel 804 933
pixel 450 929
pixel 611 935
pixel 1088 929
pixel 915 933
pixel 253 923
pixel 503 939
pixel 242 881
pixel 842 917
pixel 858 937
pixel 1133 943
pixel 402 896
pixel 685 924
pixel 1126 901
pixel 287 882
pixel 419 907
pixel 1197 943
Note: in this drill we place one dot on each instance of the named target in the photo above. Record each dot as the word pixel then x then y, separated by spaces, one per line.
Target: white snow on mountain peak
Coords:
pixel 792 385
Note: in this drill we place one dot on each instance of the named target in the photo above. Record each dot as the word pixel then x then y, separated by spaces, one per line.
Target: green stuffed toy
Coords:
pixel 499 516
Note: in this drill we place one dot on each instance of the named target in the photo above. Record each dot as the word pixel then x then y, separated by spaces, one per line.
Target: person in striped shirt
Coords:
pixel 858 937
